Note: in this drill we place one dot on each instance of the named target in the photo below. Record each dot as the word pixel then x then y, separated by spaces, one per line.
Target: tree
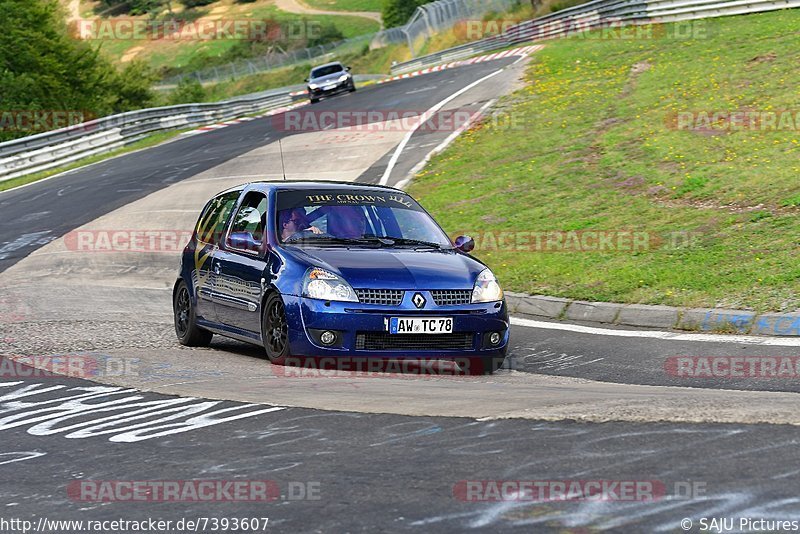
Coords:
pixel 43 69
pixel 189 91
pixel 131 88
pixel 397 12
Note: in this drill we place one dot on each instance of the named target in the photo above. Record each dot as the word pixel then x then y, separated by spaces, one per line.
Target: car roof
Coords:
pixel 332 63
pixel 286 185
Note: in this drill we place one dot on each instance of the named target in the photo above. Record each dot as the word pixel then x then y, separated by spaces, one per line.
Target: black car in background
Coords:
pixel 328 80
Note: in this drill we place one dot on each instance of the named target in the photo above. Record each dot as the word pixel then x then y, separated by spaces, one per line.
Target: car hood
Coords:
pixel 327 79
pixel 396 268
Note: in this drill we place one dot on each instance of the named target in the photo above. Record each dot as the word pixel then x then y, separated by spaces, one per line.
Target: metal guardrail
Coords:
pixel 48 150
pixel 52 149
pixel 425 21
pixel 596 14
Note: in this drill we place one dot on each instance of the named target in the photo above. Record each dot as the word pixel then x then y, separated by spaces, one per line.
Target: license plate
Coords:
pixel 421 325
pixel 328 87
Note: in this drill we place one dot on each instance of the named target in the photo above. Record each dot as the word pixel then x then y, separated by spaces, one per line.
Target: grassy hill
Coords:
pixel 169 56
pixel 346 5
pixel 591 144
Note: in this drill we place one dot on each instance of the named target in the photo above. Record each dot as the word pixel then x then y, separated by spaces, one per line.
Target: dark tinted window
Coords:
pixel 211 225
pixel 326 71
pixel 354 214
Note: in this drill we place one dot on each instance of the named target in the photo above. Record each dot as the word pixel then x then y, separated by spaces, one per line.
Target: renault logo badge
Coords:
pixel 418 300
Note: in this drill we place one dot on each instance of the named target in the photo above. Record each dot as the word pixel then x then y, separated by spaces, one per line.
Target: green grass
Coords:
pixel 179 54
pixel 349 26
pixel 593 149
pixel 147 142
pixel 346 5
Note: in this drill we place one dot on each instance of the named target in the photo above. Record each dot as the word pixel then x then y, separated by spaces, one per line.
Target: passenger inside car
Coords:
pixel 348 222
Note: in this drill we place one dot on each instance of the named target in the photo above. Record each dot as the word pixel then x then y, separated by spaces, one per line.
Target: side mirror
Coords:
pixel 244 241
pixel 347 68
pixel 464 243
pixel 305 80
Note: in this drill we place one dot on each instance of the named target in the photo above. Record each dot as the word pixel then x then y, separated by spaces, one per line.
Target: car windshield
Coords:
pixel 355 217
pixel 320 72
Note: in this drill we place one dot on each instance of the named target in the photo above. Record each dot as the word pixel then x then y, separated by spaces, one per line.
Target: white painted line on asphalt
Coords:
pixel 520 59
pixel 655 334
pixel 423 119
pixel 444 144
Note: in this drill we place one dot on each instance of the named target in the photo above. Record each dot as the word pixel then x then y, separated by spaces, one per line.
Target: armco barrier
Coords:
pixel 48 150
pixel 596 14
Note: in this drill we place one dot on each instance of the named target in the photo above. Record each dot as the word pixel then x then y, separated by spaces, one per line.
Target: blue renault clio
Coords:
pixel 338 271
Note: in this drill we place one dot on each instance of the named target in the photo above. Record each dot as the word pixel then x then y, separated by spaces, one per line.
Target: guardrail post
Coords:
pixel 410 43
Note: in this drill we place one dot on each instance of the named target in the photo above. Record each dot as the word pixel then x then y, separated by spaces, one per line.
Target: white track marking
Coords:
pixel 444 144
pixel 654 334
pixel 423 119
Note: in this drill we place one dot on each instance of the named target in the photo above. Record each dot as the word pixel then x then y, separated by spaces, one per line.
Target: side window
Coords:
pixel 211 225
pixel 250 219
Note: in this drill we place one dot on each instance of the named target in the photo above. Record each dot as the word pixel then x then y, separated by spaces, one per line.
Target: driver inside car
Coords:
pixel 293 222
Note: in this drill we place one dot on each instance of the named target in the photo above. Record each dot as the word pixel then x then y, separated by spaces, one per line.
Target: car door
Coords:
pixel 240 265
pixel 210 227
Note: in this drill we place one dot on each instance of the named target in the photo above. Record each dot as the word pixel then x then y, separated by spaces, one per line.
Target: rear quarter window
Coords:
pixel 211 225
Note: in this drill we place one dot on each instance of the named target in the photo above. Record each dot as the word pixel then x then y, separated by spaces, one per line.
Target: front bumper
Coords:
pixel 362 330
pixel 321 92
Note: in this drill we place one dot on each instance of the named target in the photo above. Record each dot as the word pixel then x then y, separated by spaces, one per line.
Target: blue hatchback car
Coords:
pixel 339 271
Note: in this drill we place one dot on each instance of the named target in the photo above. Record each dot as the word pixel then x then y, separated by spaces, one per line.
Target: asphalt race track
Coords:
pixel 389 473
pixel 344 453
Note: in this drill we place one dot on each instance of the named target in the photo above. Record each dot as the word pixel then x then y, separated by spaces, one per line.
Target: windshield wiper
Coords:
pixel 366 240
pixel 417 242
pixel 331 239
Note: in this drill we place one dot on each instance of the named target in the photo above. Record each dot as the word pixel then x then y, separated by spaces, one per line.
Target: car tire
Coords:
pixel 189 334
pixel 314 100
pixel 275 329
pixel 352 87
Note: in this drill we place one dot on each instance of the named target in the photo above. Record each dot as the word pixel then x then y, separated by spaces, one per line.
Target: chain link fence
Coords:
pixel 425 22
pixel 441 16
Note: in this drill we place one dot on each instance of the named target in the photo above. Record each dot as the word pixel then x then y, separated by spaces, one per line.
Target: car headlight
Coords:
pixel 486 289
pixel 312 86
pixel 343 78
pixel 324 285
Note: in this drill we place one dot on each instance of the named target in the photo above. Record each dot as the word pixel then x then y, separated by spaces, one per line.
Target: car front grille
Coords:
pixel 383 297
pixel 386 341
pixel 451 297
